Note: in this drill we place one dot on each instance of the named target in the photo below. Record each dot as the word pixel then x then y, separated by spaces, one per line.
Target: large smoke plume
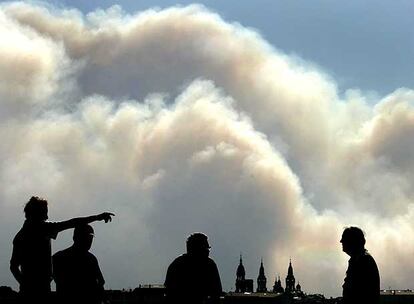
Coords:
pixel 178 121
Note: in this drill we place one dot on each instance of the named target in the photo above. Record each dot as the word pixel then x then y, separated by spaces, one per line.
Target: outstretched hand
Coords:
pixel 106 216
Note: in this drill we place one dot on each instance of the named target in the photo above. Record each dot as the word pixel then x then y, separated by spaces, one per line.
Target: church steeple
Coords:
pixel 261 279
pixel 241 273
pixel 240 276
pixel 290 279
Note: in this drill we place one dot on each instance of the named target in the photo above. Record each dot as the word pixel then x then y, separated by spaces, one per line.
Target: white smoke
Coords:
pixel 178 121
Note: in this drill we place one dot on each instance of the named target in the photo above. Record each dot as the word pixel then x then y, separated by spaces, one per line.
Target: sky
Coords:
pixel 268 126
pixel 364 44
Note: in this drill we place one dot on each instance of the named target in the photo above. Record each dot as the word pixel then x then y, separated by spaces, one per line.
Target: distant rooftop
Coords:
pixel 401 292
pixel 254 294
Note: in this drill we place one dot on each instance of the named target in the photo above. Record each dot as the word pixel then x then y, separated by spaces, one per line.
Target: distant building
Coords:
pixel 277 287
pixel 256 298
pixel 261 279
pixel 248 283
pixel 392 296
pixel 149 293
pixel 290 279
pixel 240 277
pixel 145 294
pixel 298 288
pixel 243 284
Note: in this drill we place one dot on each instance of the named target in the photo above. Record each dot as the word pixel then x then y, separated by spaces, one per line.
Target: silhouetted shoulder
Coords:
pixel 62 254
pixel 185 259
pixel 180 259
pixel 367 257
pixel 42 229
pixel 371 266
pixel 51 229
pixel 368 261
pixel 69 254
pixel 178 263
pixel 211 261
pixel 70 263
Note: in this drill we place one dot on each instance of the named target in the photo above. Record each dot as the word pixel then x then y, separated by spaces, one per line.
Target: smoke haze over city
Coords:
pixel 179 121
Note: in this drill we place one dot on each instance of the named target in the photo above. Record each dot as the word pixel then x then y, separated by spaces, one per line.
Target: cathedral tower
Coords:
pixel 240 277
pixel 290 279
pixel 261 279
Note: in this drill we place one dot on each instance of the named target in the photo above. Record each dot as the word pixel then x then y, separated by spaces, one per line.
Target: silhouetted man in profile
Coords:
pixel 362 281
pixel 76 271
pixel 31 261
pixel 193 277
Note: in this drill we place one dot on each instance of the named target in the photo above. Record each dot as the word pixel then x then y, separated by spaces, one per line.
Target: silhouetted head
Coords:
pixel 353 241
pixel 36 209
pixel 197 245
pixel 83 237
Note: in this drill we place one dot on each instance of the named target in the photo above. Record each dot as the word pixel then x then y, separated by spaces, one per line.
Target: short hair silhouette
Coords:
pixel 354 236
pixel 362 280
pixel 193 277
pixel 83 236
pixel 81 231
pixel 35 207
pixel 197 241
pixel 77 273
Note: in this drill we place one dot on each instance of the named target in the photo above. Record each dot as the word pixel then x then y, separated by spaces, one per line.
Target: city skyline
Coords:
pixel 246 124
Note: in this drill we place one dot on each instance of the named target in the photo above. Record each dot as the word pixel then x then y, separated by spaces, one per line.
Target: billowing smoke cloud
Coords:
pixel 178 122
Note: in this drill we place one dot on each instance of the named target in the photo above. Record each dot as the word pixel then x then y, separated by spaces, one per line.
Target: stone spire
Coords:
pixel 241 273
pixel 240 276
pixel 290 279
pixel 261 279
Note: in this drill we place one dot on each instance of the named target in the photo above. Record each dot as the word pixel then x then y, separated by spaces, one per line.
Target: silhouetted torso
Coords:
pixel 32 251
pixel 192 280
pixel 362 281
pixel 78 276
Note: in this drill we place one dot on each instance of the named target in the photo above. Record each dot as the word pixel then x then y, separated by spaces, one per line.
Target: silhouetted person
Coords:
pixel 362 281
pixel 76 271
pixel 193 277
pixel 31 261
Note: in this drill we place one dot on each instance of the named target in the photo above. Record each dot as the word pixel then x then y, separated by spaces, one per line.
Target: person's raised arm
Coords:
pixel 77 221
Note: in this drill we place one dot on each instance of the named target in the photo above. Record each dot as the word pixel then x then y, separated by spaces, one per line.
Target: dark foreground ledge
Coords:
pixel 155 294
